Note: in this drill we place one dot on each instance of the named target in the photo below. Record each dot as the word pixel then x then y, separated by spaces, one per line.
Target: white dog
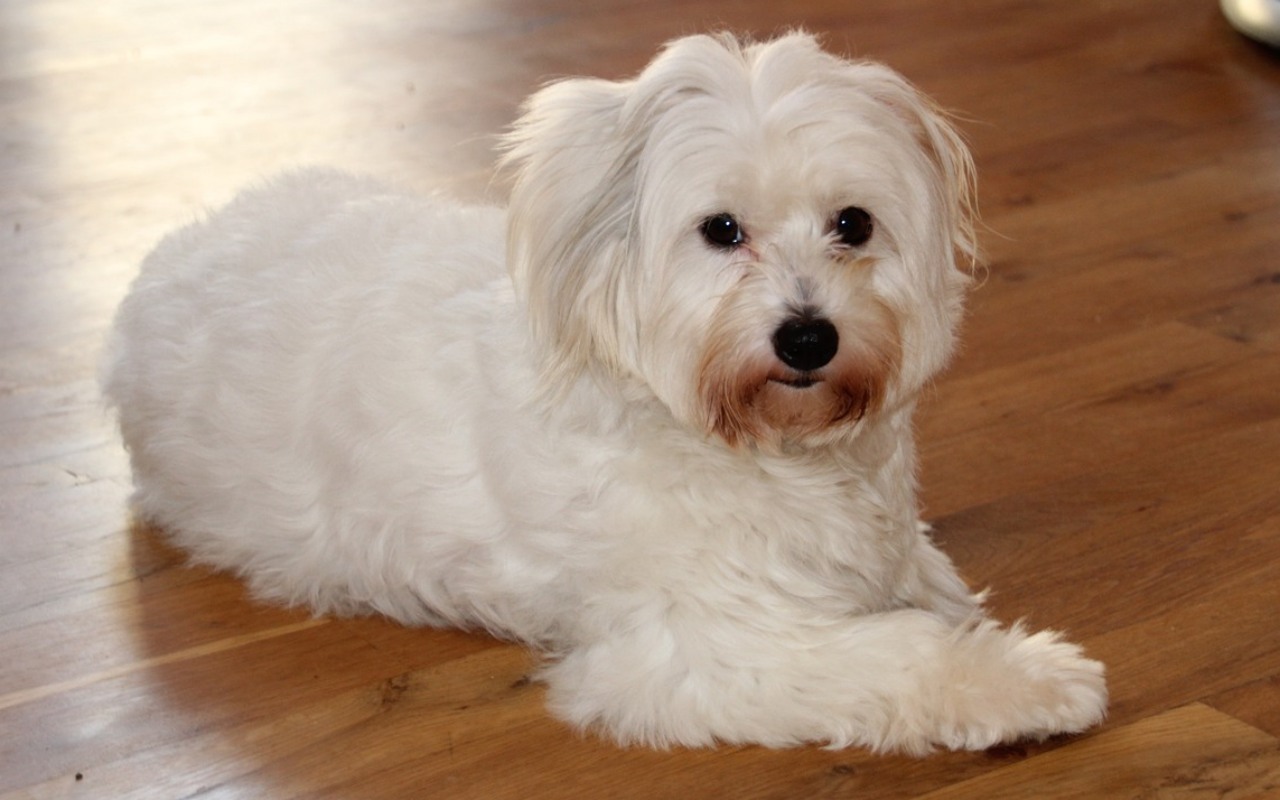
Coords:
pixel 654 419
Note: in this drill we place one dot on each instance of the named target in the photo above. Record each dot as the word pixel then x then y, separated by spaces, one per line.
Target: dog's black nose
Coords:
pixel 806 342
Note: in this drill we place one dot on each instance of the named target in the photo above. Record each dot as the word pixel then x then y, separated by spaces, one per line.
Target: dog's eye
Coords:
pixel 853 226
pixel 722 230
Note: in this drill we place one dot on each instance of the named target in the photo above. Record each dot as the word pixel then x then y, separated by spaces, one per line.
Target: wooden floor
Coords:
pixel 1105 453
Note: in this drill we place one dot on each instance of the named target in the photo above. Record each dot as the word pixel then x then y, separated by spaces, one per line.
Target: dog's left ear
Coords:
pixel 573 164
pixel 956 177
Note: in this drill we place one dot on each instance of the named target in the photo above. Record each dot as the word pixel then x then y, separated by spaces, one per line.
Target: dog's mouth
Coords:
pixel 798 382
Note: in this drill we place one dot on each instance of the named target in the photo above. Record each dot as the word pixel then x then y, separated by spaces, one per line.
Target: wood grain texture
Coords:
pixel 1192 751
pixel 1103 453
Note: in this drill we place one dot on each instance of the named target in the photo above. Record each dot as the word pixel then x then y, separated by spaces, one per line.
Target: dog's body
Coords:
pixel 675 450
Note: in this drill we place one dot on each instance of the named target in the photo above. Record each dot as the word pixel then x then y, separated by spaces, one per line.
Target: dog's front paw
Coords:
pixel 1010 686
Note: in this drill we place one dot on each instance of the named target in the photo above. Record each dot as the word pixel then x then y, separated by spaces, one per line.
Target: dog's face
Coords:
pixel 765 236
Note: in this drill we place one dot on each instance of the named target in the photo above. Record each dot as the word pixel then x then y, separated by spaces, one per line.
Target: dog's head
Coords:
pixel 765 235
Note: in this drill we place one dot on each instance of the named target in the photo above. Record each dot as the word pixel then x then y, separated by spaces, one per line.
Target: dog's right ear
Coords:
pixel 573 170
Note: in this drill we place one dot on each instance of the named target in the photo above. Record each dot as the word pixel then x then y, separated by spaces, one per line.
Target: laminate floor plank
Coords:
pixel 1188 752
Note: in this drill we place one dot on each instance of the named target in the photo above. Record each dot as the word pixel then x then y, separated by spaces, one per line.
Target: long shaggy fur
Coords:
pixel 569 422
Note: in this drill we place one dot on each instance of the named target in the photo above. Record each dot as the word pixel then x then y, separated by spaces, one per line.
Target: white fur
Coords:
pixel 337 390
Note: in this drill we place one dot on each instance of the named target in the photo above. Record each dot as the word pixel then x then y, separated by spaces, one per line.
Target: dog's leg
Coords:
pixel 903 680
pixel 931 582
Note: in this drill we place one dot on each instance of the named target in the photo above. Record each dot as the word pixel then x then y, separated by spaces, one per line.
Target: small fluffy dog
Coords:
pixel 653 419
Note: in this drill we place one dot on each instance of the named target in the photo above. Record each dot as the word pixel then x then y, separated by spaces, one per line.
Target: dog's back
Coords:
pixel 267 356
